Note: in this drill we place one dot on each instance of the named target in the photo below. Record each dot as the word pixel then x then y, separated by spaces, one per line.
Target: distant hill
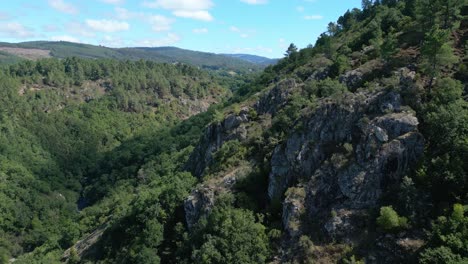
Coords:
pixel 11 52
pixel 254 59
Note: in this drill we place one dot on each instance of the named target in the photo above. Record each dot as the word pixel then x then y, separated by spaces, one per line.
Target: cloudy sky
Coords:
pixel 262 27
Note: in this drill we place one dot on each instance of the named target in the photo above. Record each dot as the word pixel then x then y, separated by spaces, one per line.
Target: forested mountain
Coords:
pixel 63 49
pixel 352 150
pixel 253 58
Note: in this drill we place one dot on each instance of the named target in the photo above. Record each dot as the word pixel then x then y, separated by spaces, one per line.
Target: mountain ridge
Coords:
pixel 168 54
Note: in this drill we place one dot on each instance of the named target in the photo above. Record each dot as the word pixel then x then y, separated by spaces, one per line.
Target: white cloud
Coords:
pixel 15 30
pixel 62 6
pixel 111 41
pixel 200 30
pixel 65 38
pixel 168 40
pixel 255 2
pixel 242 32
pixel 160 23
pixel 313 17
pixel 105 25
pixel 4 16
pixel 157 22
pixel 198 15
pixel 257 50
pixel 194 9
pixel 234 29
pixel 78 28
pixel 51 28
pixel 122 13
pixel 193 5
pixel 282 43
pixel 113 2
pixel 300 9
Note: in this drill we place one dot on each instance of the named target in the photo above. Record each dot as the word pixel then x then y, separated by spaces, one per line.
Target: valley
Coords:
pixel 351 150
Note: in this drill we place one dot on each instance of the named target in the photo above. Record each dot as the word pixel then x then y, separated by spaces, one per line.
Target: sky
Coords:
pixel 260 27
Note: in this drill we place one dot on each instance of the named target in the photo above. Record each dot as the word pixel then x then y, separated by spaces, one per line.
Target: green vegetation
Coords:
pixel 83 128
pixel 99 146
pixel 389 219
pixel 208 61
pixel 229 235
pixel 448 239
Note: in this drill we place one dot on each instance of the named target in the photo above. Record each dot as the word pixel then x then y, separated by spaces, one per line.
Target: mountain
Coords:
pixel 253 58
pixel 62 49
pixel 349 151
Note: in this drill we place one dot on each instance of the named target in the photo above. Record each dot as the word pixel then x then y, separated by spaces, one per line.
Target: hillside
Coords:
pixel 64 49
pixel 253 58
pixel 352 150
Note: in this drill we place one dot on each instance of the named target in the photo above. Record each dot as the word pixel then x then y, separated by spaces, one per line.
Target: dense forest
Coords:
pixel 352 150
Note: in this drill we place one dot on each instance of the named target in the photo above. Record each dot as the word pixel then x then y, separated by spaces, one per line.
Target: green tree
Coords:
pixel 291 51
pixel 436 53
pixel 230 235
pixel 448 239
pixel 389 45
pixel 366 4
pixel 389 220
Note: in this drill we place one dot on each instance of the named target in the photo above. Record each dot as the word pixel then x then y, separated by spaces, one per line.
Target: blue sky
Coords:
pixel 262 27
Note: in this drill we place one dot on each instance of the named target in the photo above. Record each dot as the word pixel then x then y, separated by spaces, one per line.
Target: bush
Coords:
pixel 229 235
pixel 389 219
pixel 439 255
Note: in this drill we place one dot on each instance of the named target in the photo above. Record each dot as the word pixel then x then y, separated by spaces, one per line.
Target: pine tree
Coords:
pixel 292 49
pixel 436 52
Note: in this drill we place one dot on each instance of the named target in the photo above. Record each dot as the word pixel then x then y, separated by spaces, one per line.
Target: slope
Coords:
pixel 253 58
pixel 205 60
pixel 352 150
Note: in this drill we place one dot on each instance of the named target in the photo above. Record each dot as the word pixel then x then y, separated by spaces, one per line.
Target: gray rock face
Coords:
pixel 293 209
pixel 276 98
pixel 352 78
pixel 233 127
pixel 348 153
pixel 198 203
pixel 345 155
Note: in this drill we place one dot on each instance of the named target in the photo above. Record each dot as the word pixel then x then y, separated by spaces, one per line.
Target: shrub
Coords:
pixel 389 219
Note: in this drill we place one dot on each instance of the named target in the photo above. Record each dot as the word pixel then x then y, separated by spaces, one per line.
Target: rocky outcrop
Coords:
pixel 396 248
pixel 203 198
pixel 354 79
pixel 234 127
pixel 348 153
pixel 199 202
pixel 85 246
pixel 231 128
pixel 293 210
pixel 336 161
pixel 272 101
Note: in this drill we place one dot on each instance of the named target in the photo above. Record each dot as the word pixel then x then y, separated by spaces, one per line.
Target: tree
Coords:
pixel 389 45
pixel 448 239
pixel 425 7
pixel 389 219
pixel 436 52
pixel 332 29
pixel 451 13
pixel 292 49
pixel 230 235
pixel 366 4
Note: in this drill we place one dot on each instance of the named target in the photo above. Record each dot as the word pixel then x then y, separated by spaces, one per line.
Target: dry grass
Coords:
pixel 30 54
